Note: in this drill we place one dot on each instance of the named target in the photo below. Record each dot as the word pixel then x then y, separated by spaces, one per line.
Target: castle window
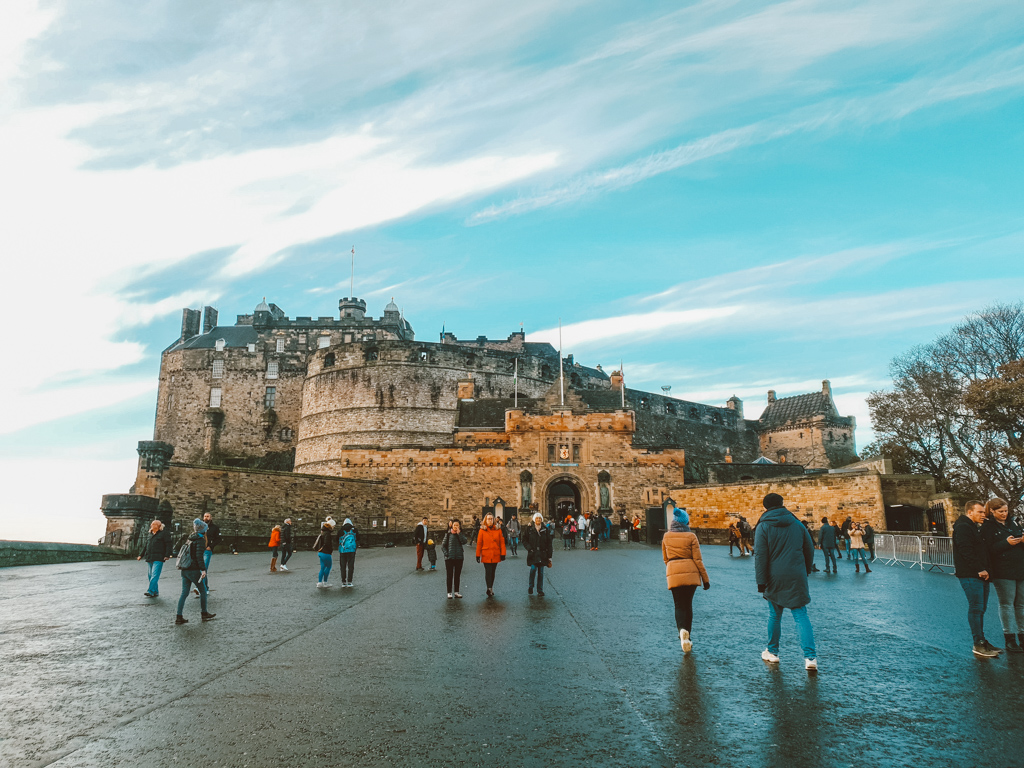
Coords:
pixel 219 345
pixel 670 408
pixel 215 397
pixel 424 356
pixel 372 354
pixel 551 452
pixel 218 369
pixel 545 371
pixel 251 347
pixel 272 369
pixel 329 360
pixel 270 397
pixel 801 435
pixel 302 338
pixel 830 435
pixel 280 345
pixel 286 435
pixel 845 437
pixel 576 453
pixel 470 359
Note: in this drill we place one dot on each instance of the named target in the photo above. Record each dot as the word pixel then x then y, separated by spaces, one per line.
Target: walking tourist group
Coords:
pixel 987 553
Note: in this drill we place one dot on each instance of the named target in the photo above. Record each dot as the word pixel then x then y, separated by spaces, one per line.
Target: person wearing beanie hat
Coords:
pixel 684 571
pixel 539 549
pixel 783 559
pixel 193 572
pixel 324 546
pixel 347 551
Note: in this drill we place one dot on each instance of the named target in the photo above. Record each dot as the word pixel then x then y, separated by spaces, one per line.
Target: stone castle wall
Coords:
pixel 816 445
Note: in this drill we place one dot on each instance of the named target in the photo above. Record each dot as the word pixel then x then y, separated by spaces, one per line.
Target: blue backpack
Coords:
pixel 348 541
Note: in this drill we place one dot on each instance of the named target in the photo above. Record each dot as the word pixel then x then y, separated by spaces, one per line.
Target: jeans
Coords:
pixel 683 599
pixel 855 553
pixel 977 602
pixel 1011 604
pixel 538 572
pixel 489 569
pixel 348 564
pixel 830 557
pixel 453 570
pixel 286 553
pixel 207 556
pixel 188 578
pixel 325 567
pixel 155 569
pixel 514 542
pixel 803 625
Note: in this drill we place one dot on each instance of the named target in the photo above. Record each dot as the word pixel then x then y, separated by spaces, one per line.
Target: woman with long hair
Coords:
pixel 1003 537
pixel 451 547
pixel 490 550
pixel 684 570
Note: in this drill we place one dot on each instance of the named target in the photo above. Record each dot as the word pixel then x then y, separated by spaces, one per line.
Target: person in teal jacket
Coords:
pixel 347 545
pixel 783 559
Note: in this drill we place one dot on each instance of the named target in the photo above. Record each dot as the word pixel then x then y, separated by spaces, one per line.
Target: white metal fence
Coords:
pixel 934 553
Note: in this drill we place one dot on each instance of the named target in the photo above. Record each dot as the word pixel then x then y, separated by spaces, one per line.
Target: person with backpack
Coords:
pixel 490 550
pixel 596 529
pixel 746 533
pixel 275 545
pixel 324 546
pixel 347 545
pixel 567 533
pixel 158 548
pixel 452 548
pixel 193 572
pixel 537 541
pixel 514 531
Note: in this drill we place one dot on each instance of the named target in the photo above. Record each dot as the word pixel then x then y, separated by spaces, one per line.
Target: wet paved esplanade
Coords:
pixel 392 673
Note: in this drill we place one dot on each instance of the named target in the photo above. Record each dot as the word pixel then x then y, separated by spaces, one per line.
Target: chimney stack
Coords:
pixel 209 319
pixel 826 388
pixel 771 395
pixel 190 323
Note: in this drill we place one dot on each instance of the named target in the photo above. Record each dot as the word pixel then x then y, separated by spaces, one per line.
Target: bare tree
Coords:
pixel 928 423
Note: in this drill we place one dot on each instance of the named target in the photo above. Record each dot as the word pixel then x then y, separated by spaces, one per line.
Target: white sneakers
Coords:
pixel 811 665
pixel 450 595
pixel 319 585
pixel 283 568
pixel 684 640
pixel 770 657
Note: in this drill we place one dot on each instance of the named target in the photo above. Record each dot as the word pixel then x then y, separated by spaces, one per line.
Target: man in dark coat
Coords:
pixel 212 540
pixel 827 542
pixel 970 558
pixel 158 549
pixel 869 540
pixel 286 542
pixel 783 558
pixel 537 540
pixel 420 537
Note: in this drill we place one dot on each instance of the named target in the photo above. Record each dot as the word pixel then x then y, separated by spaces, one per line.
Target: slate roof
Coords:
pixel 591 372
pixel 787 410
pixel 488 413
pixel 233 335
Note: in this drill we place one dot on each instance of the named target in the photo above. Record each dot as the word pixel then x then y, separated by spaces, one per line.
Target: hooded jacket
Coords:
pixel 783 558
pixel 286 535
pixel 275 538
pixel 490 545
pixel 346 543
pixel 1005 560
pixel 325 541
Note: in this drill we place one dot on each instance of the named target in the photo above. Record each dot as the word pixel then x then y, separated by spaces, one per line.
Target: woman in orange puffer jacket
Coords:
pixel 684 570
pixel 275 543
pixel 490 550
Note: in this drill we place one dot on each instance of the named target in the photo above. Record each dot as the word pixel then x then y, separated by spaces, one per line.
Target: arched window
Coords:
pixel 329 360
pixel 373 353
pixel 670 408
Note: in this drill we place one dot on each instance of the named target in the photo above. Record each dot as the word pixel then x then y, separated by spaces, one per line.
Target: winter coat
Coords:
pixel 159 547
pixel 197 543
pixel 275 538
pixel 325 541
pixel 1006 561
pixel 347 543
pixel 513 528
pixel 452 544
pixel 856 539
pixel 827 537
pixel 734 533
pixel 869 535
pixel 490 545
pixel 286 536
pixel 212 535
pixel 783 558
pixel 970 555
pixel 420 537
pixel 538 545
pixel 683 564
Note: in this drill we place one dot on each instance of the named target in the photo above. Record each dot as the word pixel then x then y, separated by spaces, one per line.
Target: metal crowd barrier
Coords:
pixel 932 552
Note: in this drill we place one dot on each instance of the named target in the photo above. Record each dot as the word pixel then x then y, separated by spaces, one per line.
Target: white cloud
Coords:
pixel 589 331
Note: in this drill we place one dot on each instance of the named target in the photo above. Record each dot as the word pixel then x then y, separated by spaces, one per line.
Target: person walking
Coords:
pixel 827 542
pixel 970 560
pixel 158 549
pixel 537 540
pixel 324 547
pixel 452 548
pixel 814 566
pixel 514 531
pixel 636 528
pixel 746 532
pixel 783 556
pixel 596 529
pixel 190 565
pixel 684 570
pixel 347 545
pixel 490 550
pixel 581 528
pixel 566 533
pixel 212 540
pixel 275 546
pixel 734 537
pixel 839 537
pixel 856 547
pixel 844 531
pixel 869 541
pixel 476 529
pixel 420 537
pixel 1003 537
pixel 287 543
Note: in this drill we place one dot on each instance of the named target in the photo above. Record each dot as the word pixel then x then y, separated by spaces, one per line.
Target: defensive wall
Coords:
pixel 43 552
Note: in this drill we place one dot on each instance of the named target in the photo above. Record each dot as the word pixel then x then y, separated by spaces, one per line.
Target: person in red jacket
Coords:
pixel 275 544
pixel 490 550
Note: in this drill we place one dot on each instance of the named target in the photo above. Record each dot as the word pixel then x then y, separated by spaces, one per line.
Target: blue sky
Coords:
pixel 729 196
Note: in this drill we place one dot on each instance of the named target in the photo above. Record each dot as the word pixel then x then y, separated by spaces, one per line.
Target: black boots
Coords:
pixel 1011 644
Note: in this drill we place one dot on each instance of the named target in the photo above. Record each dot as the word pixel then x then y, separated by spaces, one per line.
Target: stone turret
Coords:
pixel 352 308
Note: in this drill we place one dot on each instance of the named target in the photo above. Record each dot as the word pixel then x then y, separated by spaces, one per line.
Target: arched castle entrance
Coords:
pixel 563 492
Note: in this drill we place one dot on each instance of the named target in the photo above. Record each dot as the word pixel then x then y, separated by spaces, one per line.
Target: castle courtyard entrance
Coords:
pixel 563 497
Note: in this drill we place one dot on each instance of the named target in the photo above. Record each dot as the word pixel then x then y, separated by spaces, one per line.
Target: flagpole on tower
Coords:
pixel 622 377
pixel 515 381
pixel 561 373
pixel 352 280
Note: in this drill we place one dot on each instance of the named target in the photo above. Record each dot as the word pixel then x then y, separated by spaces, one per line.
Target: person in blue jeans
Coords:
pixel 324 546
pixel 538 542
pixel 190 567
pixel 158 549
pixel 971 560
pixel 212 540
pixel 783 559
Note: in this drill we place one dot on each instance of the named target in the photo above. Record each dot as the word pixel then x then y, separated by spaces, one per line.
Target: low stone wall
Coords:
pixel 42 552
